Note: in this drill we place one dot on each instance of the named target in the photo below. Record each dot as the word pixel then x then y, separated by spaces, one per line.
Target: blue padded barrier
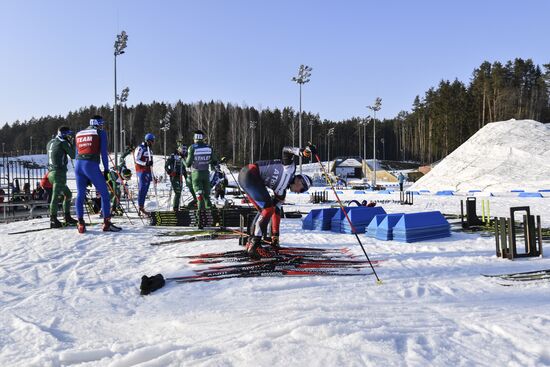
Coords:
pixel 414 227
pixel 517 190
pixel 544 190
pixel 530 195
pixel 323 220
pixel 385 229
pixel 336 221
pixel 359 192
pixel 360 217
pixel 385 192
pixel 374 223
pixel 476 190
pixel 307 222
pixel 445 193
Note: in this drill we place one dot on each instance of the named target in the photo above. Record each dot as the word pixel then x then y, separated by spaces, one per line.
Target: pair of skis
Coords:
pixel 526 276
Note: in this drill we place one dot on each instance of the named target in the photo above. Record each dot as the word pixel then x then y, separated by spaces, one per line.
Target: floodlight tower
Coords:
pixel 165 126
pixel 253 125
pixel 330 134
pixel 304 72
pixel 120 45
pixel 123 99
pixel 375 107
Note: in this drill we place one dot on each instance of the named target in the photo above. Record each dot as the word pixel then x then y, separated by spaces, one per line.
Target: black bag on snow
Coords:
pixel 151 284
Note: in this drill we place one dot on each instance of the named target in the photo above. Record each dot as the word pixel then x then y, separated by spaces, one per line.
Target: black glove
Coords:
pixel 149 163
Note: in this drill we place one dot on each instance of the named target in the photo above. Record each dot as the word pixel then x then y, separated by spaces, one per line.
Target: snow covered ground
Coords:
pixel 73 300
pixel 70 299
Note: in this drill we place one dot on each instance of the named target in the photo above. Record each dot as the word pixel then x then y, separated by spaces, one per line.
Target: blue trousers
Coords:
pixel 144 180
pixel 88 171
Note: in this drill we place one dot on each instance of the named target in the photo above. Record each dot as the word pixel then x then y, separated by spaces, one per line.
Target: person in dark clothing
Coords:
pixel 60 149
pixel 277 175
pixel 401 179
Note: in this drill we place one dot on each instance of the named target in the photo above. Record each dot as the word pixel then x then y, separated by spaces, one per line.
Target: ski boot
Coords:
pixel 81 226
pixel 255 250
pixel 143 212
pixel 70 220
pixel 275 245
pixel 110 227
pixel 54 223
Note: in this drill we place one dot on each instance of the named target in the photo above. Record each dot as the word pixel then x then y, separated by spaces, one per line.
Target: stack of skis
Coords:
pixel 287 261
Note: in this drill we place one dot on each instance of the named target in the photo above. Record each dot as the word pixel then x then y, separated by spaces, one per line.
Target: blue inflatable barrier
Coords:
pixel 373 225
pixel 517 190
pixel 359 192
pixel 544 190
pixel 323 220
pixel 360 217
pixel 336 221
pixel 530 195
pixel 307 222
pixel 415 227
pixel 474 190
pixel 424 191
pixel 445 193
pixel 385 192
pixel 385 229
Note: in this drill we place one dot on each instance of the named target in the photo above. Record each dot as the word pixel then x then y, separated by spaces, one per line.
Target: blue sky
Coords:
pixel 57 55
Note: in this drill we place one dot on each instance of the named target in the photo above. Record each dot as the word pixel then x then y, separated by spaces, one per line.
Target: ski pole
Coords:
pixel 349 220
pixel 238 185
pixel 86 206
pixel 127 191
pixel 118 200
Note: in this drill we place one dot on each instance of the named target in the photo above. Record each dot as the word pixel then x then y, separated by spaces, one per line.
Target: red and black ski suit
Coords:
pixel 257 178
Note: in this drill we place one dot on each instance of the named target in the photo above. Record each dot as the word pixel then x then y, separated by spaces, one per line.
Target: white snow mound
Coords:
pixel 500 157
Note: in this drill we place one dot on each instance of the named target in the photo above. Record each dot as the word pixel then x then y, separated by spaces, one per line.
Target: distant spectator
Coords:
pixel 26 191
pixel 401 179
pixel 38 192
pixel 47 186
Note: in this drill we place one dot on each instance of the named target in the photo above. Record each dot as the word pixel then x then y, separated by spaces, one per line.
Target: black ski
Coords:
pixel 266 272
pixel 518 274
pixel 45 229
pixel 203 237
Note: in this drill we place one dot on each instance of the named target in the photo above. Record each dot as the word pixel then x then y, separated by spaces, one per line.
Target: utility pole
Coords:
pixel 375 107
pixel 120 45
pixel 304 72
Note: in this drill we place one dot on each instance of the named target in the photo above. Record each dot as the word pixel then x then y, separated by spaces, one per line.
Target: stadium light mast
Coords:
pixel 375 107
pixel 330 134
pixel 123 99
pixel 253 125
pixel 304 72
pixel 120 45
pixel 165 126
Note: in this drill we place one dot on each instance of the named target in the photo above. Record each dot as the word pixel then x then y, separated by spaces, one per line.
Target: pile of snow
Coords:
pixel 500 157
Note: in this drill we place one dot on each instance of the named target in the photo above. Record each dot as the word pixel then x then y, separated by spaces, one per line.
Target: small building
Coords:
pixel 348 167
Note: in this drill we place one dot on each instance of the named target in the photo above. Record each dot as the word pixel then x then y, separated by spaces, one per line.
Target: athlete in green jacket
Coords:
pixel 175 169
pixel 59 149
pixel 200 159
